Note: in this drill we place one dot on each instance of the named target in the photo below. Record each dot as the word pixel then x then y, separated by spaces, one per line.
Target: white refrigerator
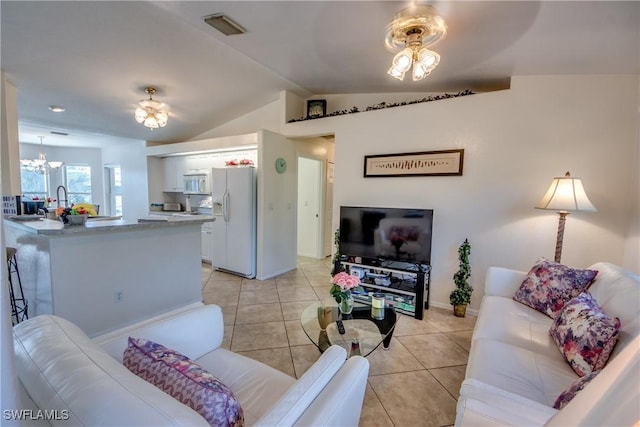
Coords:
pixel 233 196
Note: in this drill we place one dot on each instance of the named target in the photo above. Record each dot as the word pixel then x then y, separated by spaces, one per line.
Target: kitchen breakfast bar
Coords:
pixel 107 274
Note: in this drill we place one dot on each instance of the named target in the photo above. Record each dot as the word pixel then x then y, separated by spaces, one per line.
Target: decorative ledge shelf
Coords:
pixel 383 105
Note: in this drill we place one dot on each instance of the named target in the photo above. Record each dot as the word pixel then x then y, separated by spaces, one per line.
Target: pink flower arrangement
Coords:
pixel 243 162
pixel 342 285
pixel 345 281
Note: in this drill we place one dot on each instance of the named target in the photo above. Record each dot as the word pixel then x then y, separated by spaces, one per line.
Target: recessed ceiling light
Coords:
pixel 224 24
pixel 56 108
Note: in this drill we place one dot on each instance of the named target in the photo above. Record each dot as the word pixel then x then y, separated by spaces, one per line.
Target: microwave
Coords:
pixel 196 183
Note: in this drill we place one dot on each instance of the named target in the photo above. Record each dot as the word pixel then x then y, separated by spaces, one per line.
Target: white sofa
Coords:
pixel 62 369
pixel 515 371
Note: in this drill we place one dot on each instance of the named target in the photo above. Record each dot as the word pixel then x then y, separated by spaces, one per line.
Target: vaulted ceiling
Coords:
pixel 96 57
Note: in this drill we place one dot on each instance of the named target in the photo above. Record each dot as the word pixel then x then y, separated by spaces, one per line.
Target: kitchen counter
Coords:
pixel 49 227
pixel 108 273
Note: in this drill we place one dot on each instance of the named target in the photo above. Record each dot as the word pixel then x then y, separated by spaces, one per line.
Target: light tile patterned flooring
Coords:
pixel 414 383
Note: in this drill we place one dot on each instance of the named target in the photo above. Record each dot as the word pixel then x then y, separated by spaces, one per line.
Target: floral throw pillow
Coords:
pixel 549 285
pixel 584 334
pixel 567 395
pixel 184 380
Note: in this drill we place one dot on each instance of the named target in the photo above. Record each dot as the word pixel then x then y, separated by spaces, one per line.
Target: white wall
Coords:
pixel 276 206
pixel 9 151
pixel 131 156
pixel 132 159
pixel 632 249
pixel 10 184
pixel 70 156
pixel 266 117
pixel 515 142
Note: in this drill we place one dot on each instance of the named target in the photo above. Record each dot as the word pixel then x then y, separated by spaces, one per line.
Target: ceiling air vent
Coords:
pixel 224 24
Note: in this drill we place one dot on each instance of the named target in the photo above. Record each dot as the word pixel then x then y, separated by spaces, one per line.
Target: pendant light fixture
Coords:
pixel 411 31
pixel 151 113
pixel 40 165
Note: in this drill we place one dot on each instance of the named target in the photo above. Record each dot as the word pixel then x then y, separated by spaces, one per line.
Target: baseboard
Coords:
pixel 273 274
pixel 450 307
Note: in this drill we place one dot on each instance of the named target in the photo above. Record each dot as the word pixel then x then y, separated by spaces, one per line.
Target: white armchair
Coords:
pixel 61 368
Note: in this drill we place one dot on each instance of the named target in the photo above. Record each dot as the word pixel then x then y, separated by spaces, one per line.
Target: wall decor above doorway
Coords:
pixel 425 163
pixel 316 108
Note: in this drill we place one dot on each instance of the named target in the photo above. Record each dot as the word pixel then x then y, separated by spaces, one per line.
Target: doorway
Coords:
pixel 311 208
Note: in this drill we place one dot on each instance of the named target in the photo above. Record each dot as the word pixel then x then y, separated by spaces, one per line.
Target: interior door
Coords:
pixel 310 207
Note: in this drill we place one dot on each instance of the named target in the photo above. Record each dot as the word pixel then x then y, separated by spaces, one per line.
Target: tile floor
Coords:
pixel 414 383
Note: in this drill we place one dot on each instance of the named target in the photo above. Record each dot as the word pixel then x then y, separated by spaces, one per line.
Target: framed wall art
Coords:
pixel 426 163
pixel 316 108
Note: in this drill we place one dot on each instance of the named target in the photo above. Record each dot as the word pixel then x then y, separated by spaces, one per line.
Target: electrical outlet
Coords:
pixel 118 296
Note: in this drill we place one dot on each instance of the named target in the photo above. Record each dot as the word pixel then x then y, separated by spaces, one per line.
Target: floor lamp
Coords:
pixel 565 194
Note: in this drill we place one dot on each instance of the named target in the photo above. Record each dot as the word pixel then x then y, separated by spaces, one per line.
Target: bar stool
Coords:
pixel 19 305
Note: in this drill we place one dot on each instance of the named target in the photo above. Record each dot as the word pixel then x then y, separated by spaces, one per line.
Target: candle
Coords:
pixel 377 306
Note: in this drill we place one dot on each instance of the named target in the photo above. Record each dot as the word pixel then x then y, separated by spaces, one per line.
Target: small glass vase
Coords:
pixel 346 304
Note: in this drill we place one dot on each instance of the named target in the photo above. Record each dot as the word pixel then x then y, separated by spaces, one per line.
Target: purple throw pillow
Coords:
pixel 549 285
pixel 184 380
pixel 584 334
pixel 567 395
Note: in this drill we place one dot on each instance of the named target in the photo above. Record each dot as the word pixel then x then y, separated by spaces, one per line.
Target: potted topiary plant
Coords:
pixel 335 264
pixel 461 295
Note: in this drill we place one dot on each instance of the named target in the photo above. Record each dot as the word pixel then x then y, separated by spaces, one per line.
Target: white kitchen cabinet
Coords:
pixel 199 162
pixel 204 161
pixel 174 167
pixel 174 170
pixel 207 242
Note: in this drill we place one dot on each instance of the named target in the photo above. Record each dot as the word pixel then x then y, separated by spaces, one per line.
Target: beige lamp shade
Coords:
pixel 566 193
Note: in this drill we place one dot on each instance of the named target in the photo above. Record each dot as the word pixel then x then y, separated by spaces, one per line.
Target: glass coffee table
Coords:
pixel 364 330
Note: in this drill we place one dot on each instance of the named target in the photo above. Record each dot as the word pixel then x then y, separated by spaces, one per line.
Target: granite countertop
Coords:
pixel 49 227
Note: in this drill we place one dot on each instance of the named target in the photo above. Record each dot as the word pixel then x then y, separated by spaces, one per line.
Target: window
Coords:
pixel 34 184
pixel 114 189
pixel 77 179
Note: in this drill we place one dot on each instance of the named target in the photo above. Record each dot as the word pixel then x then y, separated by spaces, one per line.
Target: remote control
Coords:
pixel 340 327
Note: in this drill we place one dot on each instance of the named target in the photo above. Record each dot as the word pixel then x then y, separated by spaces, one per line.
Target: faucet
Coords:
pixel 65 195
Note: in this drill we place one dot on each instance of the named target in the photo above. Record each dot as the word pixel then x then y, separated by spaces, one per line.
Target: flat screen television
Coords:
pixel 379 235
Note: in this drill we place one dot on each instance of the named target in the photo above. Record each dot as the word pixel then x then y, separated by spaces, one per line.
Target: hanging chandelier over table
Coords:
pixel 151 113
pixel 40 165
pixel 411 31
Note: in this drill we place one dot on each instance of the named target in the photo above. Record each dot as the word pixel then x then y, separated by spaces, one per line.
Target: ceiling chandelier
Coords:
pixel 151 113
pixel 411 31
pixel 40 165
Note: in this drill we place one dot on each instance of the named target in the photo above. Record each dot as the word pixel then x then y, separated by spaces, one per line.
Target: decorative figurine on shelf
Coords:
pixel 341 290
pixel 461 295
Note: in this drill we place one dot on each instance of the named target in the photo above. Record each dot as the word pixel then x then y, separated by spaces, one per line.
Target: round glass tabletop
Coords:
pixel 362 333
